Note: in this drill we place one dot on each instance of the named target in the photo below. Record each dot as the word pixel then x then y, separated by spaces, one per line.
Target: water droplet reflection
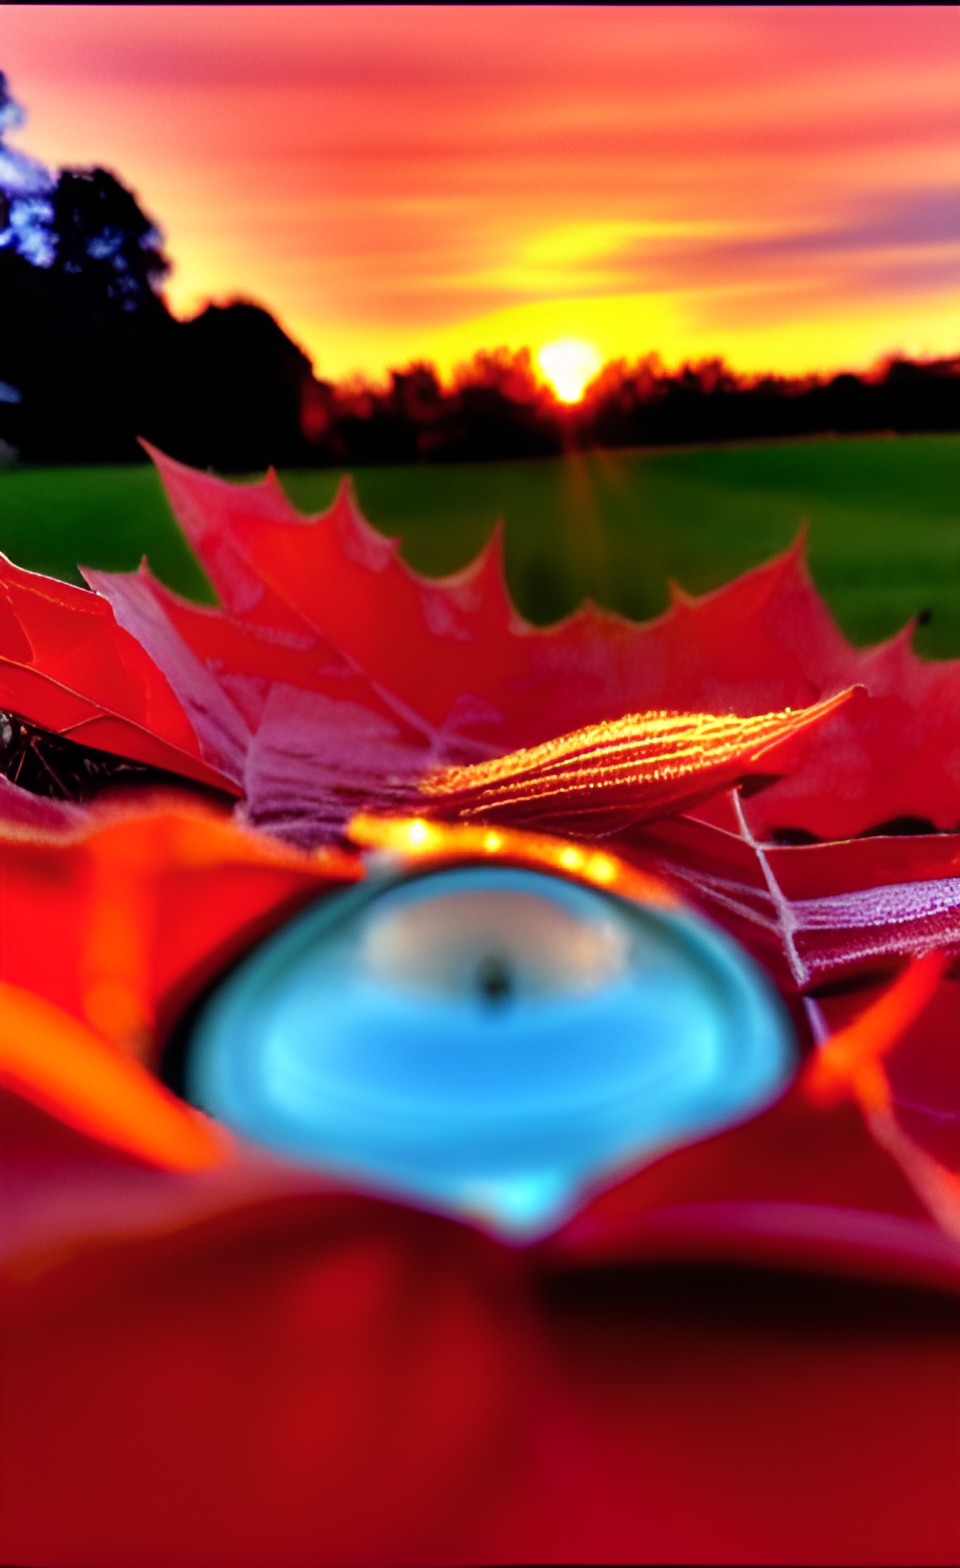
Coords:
pixel 488 1040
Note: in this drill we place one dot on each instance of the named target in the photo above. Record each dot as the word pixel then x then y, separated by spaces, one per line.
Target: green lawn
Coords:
pixel 883 515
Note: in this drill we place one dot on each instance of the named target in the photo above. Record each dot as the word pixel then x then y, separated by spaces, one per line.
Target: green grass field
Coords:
pixel 883 516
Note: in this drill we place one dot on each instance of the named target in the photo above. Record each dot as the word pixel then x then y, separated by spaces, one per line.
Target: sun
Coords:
pixel 568 365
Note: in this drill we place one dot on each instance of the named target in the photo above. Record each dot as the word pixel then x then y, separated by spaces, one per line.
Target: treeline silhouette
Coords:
pixel 91 358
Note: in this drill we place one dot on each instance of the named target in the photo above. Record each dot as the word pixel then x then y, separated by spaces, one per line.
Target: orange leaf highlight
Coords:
pixel 118 926
pixel 851 1061
pixel 413 839
pixel 56 1063
pixel 644 763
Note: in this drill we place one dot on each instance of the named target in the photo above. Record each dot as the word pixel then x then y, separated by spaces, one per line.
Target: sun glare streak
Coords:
pixel 568 365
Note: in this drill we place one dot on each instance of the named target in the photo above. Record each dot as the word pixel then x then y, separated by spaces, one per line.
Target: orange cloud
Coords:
pixel 765 183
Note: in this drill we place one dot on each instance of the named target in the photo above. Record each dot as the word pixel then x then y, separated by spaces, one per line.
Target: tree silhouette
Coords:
pixel 102 237
pixel 25 209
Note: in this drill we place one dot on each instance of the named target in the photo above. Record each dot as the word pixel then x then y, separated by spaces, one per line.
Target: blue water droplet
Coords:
pixel 489 1041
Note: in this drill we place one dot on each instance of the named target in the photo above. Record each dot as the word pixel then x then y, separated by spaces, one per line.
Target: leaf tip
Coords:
pixel 346 492
pixel 159 459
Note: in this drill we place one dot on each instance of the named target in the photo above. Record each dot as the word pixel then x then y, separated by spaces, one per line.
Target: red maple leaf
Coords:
pixel 324 611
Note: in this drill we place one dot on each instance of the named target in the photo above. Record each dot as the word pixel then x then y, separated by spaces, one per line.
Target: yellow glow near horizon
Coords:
pixel 827 339
pixel 568 365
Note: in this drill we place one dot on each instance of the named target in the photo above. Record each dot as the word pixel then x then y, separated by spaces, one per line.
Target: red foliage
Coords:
pixel 69 667
pixel 213 1356
pixel 378 676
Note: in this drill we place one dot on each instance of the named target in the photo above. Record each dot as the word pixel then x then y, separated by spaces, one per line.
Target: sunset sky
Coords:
pixel 778 185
